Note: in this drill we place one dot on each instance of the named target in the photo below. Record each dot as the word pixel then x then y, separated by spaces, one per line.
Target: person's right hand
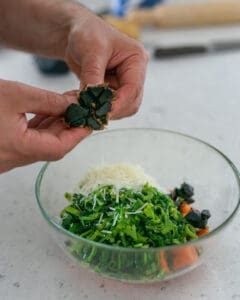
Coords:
pixel 43 138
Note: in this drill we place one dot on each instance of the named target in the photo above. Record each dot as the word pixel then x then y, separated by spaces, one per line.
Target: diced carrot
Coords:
pixel 163 262
pixel 185 209
pixel 202 232
pixel 184 257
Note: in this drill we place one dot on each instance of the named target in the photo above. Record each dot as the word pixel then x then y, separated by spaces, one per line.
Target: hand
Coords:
pixel 97 52
pixel 45 137
pixel 94 50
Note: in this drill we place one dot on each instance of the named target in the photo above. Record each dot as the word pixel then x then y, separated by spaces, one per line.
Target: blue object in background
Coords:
pixel 121 7
pixel 49 66
pixel 149 3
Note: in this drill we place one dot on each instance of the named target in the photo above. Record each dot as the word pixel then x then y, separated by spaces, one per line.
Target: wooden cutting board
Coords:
pixel 188 15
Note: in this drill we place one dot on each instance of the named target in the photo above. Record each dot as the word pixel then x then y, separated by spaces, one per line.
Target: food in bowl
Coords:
pixel 172 158
pixel 121 206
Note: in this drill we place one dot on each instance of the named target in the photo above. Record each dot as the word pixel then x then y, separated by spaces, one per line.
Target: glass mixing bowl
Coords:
pixel 171 158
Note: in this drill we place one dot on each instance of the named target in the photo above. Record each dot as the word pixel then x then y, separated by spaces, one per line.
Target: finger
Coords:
pixel 89 63
pixel 112 81
pixel 41 145
pixel 120 111
pixel 35 121
pixel 75 68
pixel 37 101
pixel 89 68
pixel 57 127
pixel 47 123
pixel 70 138
pixel 93 69
pixel 72 93
pixel 131 74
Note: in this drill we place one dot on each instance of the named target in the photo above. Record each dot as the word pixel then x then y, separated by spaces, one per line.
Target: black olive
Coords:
pixel 186 190
pixel 205 214
pixel 203 223
pixel 189 200
pixel 194 218
pixel 173 194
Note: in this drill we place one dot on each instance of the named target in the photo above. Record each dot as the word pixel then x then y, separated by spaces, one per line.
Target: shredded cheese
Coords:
pixel 119 175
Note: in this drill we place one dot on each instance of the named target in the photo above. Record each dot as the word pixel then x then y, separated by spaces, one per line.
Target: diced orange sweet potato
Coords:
pixel 163 261
pixel 185 209
pixel 184 257
pixel 202 232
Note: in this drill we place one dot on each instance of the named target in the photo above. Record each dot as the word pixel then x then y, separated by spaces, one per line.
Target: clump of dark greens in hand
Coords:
pixel 95 102
pixel 127 218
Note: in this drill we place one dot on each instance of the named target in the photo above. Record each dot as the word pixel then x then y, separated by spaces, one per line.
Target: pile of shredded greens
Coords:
pixel 127 217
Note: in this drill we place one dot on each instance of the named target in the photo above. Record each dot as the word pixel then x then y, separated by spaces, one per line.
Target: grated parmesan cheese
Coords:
pixel 120 175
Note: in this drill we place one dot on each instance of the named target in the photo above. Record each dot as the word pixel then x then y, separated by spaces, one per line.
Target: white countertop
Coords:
pixel 199 96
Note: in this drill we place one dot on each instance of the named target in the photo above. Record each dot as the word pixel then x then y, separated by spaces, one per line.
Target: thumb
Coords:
pixel 93 68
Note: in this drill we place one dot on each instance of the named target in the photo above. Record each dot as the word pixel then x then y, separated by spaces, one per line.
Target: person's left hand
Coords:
pixel 45 136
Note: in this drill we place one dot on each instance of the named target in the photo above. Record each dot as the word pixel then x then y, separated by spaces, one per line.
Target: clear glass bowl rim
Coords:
pixel 125 249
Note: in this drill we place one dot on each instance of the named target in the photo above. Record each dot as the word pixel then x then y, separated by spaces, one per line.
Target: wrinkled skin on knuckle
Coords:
pixel 135 92
pixel 56 102
pixel 50 99
pixel 81 42
pixel 140 54
pixel 91 70
pixel 136 47
pixel 86 59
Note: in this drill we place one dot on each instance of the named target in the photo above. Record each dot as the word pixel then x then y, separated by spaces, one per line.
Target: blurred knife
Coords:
pixel 183 50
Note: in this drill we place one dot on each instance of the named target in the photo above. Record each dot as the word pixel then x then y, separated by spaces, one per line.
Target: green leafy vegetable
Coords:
pixel 131 219
pixel 127 218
